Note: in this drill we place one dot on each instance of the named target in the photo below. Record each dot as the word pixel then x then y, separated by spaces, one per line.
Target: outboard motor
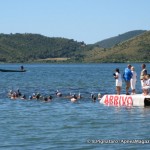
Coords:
pixel 147 102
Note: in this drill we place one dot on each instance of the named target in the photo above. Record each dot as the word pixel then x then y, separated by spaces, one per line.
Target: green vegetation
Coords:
pixel 136 49
pixel 21 48
pixel 110 42
pixel 32 47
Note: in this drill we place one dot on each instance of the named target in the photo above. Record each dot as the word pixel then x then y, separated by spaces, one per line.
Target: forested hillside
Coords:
pixel 134 50
pixel 31 47
pixel 37 48
pixel 110 42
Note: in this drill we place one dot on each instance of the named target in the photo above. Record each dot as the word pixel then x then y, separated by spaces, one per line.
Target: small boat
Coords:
pixel 8 70
pixel 126 100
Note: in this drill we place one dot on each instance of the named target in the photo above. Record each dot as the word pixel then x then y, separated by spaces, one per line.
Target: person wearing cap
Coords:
pixel 30 97
pixel 33 96
pixel 127 75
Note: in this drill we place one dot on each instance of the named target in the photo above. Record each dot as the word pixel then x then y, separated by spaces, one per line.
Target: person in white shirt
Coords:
pixel 146 84
pixel 118 78
pixel 133 80
pixel 143 73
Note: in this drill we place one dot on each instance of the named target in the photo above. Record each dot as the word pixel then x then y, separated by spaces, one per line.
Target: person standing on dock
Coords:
pixel 127 77
pixel 143 73
pixel 117 76
pixel 133 80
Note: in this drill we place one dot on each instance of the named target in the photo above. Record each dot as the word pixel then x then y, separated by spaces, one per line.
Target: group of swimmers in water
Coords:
pixel 129 76
pixel 37 96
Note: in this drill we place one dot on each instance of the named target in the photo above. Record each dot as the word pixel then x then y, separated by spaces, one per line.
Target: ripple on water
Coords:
pixel 61 124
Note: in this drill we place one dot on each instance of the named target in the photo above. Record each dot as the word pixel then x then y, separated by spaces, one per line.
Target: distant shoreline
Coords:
pixel 63 61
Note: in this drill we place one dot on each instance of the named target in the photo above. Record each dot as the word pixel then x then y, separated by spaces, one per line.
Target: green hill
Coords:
pixel 35 47
pixel 110 42
pixel 18 48
pixel 134 50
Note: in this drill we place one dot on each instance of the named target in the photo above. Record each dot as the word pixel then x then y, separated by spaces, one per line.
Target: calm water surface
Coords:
pixel 61 124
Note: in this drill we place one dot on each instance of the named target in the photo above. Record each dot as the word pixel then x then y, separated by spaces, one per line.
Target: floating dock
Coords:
pixel 126 100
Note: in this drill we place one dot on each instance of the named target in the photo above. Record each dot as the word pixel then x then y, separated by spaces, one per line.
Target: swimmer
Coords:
pixel 59 94
pixel 93 97
pixel 79 96
pixel 23 97
pixel 45 99
pixel 33 96
pixel 18 92
pixel 38 96
pixel 50 98
pixel 99 96
pixel 30 97
pixel 13 96
pixel 69 96
pixel 74 98
pixel 10 93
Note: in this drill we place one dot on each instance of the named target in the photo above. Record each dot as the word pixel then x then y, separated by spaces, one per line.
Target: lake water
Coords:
pixel 61 124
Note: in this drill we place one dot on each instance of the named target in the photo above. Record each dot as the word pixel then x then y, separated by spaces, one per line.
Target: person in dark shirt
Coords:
pixel 22 68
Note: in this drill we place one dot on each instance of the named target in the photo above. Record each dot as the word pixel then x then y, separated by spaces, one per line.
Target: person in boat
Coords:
pixel 146 84
pixel 117 76
pixel 127 75
pixel 22 68
pixel 143 73
pixel 133 80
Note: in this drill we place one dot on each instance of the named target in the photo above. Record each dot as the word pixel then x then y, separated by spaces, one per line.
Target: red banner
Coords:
pixel 118 100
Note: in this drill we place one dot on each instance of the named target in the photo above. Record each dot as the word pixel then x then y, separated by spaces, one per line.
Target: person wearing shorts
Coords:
pixel 127 77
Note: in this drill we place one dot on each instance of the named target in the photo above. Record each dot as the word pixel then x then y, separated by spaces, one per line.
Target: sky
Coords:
pixel 82 20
